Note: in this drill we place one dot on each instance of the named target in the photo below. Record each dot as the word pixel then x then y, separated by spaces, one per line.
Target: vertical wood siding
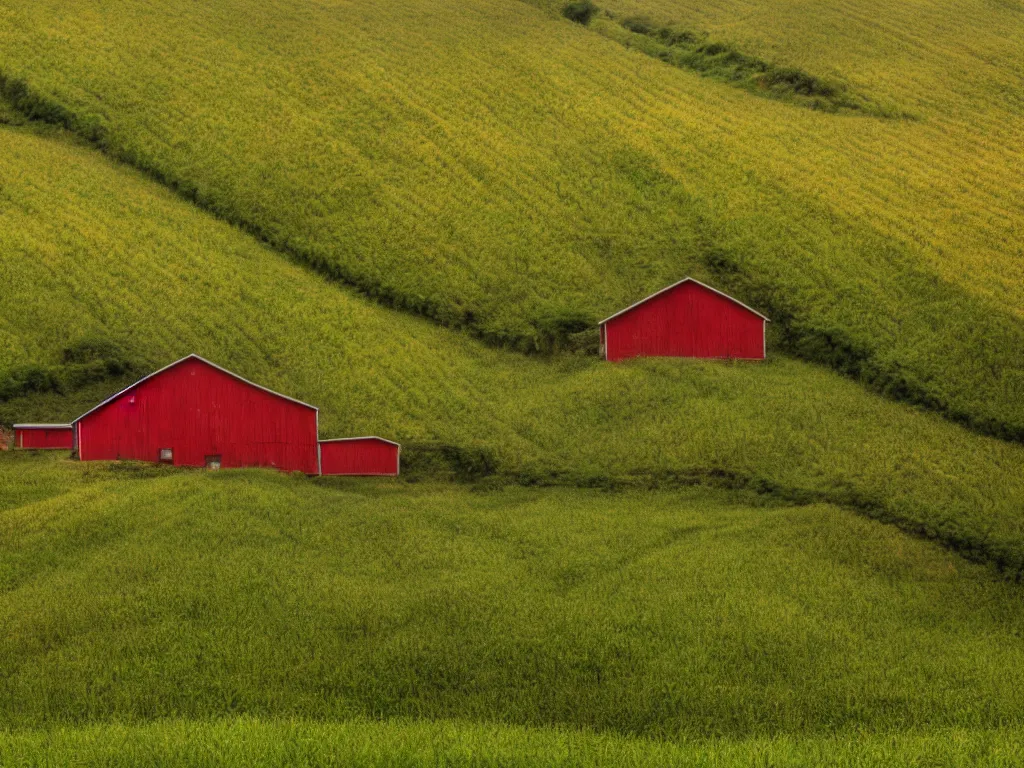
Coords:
pixel 197 410
pixel 365 456
pixel 686 321
pixel 49 438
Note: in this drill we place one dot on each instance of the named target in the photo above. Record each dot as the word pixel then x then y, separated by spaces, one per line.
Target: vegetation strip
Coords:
pixel 689 50
pixel 482 469
pixel 87 362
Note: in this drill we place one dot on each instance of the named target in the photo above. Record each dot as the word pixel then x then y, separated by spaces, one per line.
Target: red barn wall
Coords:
pixel 50 438
pixel 197 410
pixel 686 321
pixel 363 456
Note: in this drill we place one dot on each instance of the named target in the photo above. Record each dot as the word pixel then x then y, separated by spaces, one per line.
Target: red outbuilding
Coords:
pixel 687 319
pixel 194 413
pixel 359 456
pixel 45 436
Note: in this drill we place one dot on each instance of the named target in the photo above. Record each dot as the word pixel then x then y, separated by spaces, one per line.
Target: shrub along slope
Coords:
pixel 676 615
pixel 82 239
pixel 495 166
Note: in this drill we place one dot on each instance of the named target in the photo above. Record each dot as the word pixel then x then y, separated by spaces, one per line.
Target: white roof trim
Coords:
pixel 365 437
pixel 42 426
pixel 202 360
pixel 670 287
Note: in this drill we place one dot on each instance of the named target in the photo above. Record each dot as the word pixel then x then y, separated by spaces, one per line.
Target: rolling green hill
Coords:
pixel 411 214
pixel 490 164
pixel 133 594
pixel 89 249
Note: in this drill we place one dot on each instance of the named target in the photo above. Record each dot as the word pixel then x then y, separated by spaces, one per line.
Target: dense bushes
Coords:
pixel 28 379
pixel 684 48
pixel 580 11
pixel 448 461
pixel 85 362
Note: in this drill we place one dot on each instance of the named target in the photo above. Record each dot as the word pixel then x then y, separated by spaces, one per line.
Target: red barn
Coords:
pixel 359 456
pixel 687 319
pixel 194 413
pixel 48 436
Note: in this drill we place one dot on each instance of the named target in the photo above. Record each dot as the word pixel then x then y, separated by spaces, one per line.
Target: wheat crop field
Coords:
pixel 575 624
pixel 785 427
pixel 494 166
pixel 412 214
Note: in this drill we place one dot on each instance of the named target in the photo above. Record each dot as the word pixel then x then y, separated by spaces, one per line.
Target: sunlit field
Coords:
pixel 412 214
pixel 410 744
pixel 82 238
pixel 491 164
pixel 138 594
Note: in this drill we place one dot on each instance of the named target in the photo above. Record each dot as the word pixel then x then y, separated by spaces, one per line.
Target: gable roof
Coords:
pixel 674 285
pixel 179 362
pixel 366 437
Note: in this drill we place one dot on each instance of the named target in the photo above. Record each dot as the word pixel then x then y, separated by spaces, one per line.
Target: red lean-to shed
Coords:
pixel 687 319
pixel 194 413
pixel 359 456
pixel 43 436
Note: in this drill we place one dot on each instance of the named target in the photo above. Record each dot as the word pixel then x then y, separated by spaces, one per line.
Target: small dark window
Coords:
pixel 166 456
pixel 213 462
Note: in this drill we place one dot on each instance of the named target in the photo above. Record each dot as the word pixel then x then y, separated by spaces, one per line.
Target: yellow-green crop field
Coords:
pixel 89 248
pixel 489 164
pixel 131 596
pixel 296 743
pixel 410 213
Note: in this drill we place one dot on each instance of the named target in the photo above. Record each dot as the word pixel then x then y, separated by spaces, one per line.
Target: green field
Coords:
pixel 248 741
pixel 490 164
pixel 410 214
pixel 128 260
pixel 134 595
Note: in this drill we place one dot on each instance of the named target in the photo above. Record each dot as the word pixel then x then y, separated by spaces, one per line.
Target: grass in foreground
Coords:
pixel 667 615
pixel 83 238
pixel 249 741
pixel 491 166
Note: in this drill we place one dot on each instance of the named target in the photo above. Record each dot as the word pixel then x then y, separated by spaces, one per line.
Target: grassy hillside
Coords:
pixel 90 250
pixel 649 563
pixel 491 165
pixel 134 595
pixel 298 744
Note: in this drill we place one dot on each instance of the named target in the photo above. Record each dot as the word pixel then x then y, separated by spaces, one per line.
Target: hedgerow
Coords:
pixel 686 49
pixel 87 361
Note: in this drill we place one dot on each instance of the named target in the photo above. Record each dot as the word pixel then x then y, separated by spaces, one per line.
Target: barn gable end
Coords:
pixel 686 319
pixel 195 413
